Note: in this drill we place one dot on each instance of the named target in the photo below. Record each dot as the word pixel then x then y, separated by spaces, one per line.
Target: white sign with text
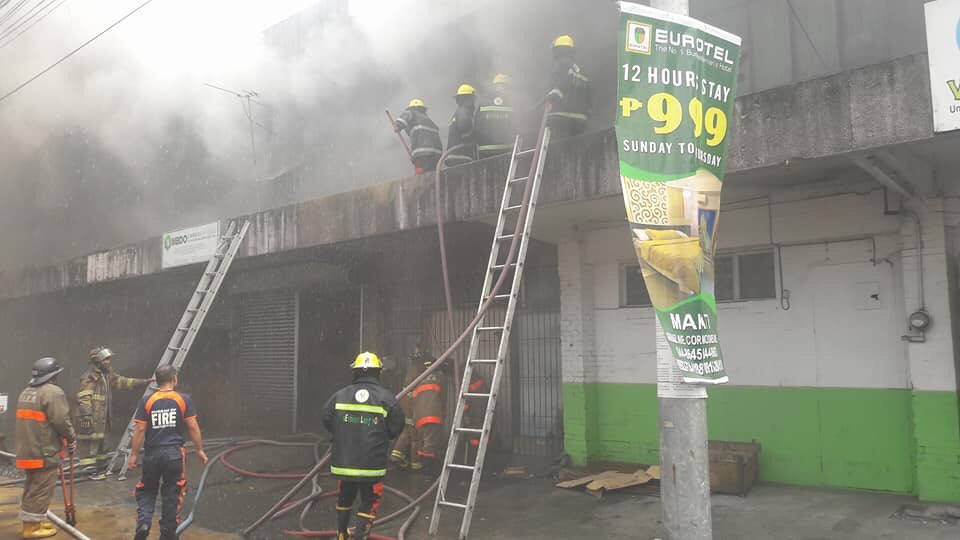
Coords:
pixel 189 246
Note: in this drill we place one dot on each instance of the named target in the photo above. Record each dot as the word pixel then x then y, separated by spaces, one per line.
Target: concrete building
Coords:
pixel 839 220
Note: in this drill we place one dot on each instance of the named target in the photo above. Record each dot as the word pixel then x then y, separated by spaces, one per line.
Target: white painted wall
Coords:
pixel 833 335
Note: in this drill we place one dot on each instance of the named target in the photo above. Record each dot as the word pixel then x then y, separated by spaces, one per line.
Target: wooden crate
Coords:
pixel 734 466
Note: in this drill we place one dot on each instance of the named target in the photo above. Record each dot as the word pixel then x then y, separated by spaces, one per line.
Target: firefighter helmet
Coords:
pixel 416 102
pixel 366 360
pixel 466 90
pixel 43 370
pixel 502 78
pixel 99 354
pixel 563 41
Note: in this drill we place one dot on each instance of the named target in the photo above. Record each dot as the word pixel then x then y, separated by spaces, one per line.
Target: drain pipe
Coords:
pixel 72 531
pixel 919 320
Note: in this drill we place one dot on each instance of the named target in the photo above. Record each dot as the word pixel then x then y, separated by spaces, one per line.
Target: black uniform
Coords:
pixel 363 418
pixel 461 135
pixel 165 413
pixel 495 127
pixel 425 144
pixel 571 98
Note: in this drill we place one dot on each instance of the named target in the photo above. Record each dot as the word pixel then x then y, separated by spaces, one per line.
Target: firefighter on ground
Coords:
pixel 495 127
pixel 425 144
pixel 570 94
pixel 94 404
pixel 43 427
pixel 461 140
pixel 363 418
pixel 164 420
pixel 422 442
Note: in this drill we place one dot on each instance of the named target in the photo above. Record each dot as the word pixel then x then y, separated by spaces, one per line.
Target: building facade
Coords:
pixel 839 221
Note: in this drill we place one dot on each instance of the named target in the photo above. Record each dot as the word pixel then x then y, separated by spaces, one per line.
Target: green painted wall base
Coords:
pixel 882 439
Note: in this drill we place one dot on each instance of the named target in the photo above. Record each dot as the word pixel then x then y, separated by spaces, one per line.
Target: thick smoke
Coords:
pixel 125 140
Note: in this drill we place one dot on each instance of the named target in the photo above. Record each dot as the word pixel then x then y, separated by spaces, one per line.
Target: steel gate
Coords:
pixel 269 326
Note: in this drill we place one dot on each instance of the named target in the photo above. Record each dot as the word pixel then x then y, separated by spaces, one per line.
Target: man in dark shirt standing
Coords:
pixel 163 418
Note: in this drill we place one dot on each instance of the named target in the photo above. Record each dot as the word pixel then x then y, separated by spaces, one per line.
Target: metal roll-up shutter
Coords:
pixel 268 359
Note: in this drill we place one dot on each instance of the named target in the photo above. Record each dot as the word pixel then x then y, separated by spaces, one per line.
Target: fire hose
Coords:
pixel 511 254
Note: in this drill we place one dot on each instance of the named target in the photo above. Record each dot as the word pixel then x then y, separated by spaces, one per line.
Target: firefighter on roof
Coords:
pixel 424 136
pixel 94 407
pixel 363 418
pixel 570 93
pixel 461 140
pixel 495 127
pixel 43 427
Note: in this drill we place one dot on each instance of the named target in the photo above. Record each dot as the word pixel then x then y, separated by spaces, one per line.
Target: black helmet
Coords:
pixel 44 369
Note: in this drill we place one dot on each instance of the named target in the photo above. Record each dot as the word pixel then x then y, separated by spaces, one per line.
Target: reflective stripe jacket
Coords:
pixel 427 397
pixel 363 418
pixel 94 401
pixel 43 420
pixel 424 134
pixel 494 124
pixel 461 133
pixel 574 89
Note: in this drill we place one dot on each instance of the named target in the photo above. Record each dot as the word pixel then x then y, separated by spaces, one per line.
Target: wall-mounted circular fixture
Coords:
pixel 919 320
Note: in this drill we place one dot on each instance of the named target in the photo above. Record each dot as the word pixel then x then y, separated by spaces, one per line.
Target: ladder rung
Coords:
pixel 525 152
pixel 470 430
pixel 505 237
pixel 514 207
pixel 502 266
pixel 208 273
pixel 453 504
pixel 491 328
pixel 228 237
pixel 521 179
pixel 474 394
pixel 172 348
pixel 183 329
pixel 501 296
pixel 460 467
pixel 483 361
pixel 193 309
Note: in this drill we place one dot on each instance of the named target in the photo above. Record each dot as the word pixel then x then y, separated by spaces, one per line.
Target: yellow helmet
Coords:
pixel 416 102
pixel 466 90
pixel 502 78
pixel 563 41
pixel 366 360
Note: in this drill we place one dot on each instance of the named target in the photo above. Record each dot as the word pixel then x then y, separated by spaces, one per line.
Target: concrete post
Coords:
pixel 685 483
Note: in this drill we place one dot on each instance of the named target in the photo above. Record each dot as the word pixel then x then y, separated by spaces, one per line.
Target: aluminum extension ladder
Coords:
pixel 498 255
pixel 190 323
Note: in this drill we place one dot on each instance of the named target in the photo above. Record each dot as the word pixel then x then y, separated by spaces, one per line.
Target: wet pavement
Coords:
pixel 508 508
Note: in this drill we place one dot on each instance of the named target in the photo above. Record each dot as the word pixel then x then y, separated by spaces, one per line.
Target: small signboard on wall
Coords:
pixel 189 246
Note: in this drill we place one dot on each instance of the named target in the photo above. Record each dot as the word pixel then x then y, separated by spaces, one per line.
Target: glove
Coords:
pixel 397 127
pixel 85 425
pixel 555 95
pixel 72 446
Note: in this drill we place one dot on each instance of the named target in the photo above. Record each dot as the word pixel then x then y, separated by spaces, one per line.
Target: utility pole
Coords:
pixel 685 507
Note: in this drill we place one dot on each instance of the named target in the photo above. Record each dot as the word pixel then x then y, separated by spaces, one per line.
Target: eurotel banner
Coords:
pixel 677 84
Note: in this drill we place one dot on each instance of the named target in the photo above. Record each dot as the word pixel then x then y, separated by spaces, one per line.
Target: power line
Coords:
pixel 26 18
pixel 34 23
pixel 805 33
pixel 12 11
pixel 73 52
